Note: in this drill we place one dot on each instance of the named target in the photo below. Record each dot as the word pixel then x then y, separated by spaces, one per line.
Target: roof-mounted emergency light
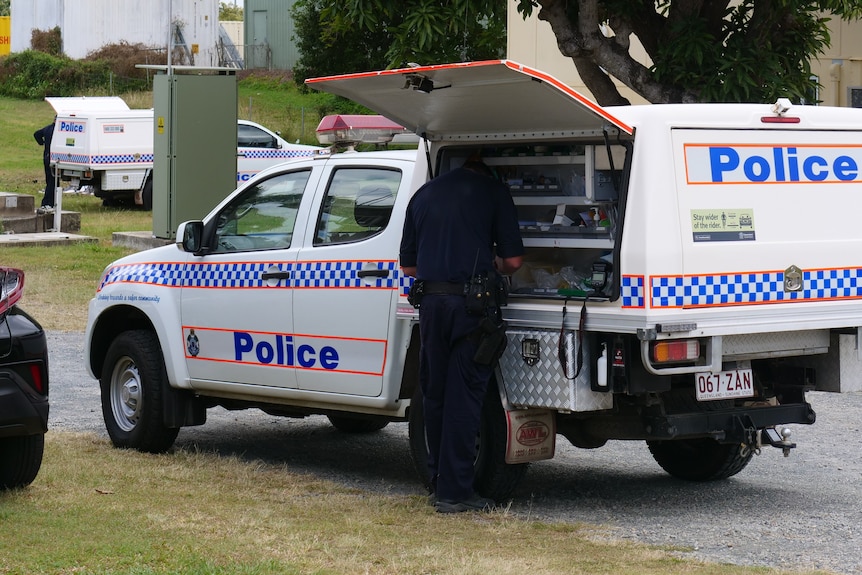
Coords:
pixel 780 108
pixel 349 130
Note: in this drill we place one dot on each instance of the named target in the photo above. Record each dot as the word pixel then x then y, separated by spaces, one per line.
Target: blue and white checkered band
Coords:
pixel 265 154
pixel 105 160
pixel 122 159
pixel 632 291
pixel 71 158
pixel 761 287
pixel 242 275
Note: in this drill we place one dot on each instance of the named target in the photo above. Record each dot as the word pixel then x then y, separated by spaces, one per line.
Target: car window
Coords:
pixel 357 205
pixel 263 216
pixel 253 137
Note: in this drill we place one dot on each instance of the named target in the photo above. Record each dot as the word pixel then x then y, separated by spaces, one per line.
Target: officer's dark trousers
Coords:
pixel 50 188
pixel 454 388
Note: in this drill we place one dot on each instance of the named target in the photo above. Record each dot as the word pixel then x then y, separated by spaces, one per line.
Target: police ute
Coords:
pixel 102 144
pixel 687 269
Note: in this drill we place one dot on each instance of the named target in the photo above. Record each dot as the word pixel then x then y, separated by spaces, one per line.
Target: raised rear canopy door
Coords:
pixel 474 101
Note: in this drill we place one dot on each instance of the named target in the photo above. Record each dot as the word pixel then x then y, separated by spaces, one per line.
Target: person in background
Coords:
pixel 459 226
pixel 43 137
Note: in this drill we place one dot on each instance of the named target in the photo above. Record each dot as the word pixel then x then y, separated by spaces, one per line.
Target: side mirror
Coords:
pixel 190 236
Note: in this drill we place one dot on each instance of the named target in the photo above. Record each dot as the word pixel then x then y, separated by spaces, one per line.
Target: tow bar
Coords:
pixel 781 440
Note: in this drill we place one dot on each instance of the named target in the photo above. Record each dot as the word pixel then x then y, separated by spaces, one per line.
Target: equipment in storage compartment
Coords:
pixel 540 372
pixel 566 194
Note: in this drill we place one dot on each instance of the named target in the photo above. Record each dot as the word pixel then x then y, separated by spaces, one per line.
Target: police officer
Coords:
pixel 459 226
pixel 43 137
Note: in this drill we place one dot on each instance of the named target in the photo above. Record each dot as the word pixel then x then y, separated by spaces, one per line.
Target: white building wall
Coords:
pixel 87 25
pixel 29 15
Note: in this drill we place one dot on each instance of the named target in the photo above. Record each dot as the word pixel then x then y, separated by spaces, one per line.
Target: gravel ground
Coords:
pixel 799 512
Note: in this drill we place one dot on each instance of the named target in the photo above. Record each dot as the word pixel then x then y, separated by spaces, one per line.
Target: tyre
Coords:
pixel 20 460
pixel 349 424
pixel 133 382
pixel 699 459
pixel 494 477
pixel 147 195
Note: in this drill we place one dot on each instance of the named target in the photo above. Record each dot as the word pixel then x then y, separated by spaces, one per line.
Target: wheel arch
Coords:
pixel 117 319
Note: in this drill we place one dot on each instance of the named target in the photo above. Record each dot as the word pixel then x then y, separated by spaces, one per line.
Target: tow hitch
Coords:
pixel 781 440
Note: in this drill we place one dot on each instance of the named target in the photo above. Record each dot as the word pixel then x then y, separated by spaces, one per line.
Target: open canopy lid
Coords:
pixel 80 104
pixel 474 100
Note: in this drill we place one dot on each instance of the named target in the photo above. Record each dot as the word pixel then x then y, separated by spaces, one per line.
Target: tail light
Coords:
pixel 37 377
pixel 11 287
pixel 676 351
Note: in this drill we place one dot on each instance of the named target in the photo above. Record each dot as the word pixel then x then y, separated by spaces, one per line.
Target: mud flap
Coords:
pixel 532 435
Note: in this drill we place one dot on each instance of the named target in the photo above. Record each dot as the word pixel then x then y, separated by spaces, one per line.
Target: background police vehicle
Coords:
pixel 99 142
pixel 672 292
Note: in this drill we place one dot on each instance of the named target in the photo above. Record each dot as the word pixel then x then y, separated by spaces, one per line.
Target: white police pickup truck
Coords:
pixel 685 265
pixel 100 143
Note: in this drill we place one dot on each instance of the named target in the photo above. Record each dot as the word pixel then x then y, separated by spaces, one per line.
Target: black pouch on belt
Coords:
pixel 417 290
pixel 480 294
pixel 492 341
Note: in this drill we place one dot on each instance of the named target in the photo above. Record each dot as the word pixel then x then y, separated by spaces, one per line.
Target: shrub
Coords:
pixel 123 58
pixel 47 41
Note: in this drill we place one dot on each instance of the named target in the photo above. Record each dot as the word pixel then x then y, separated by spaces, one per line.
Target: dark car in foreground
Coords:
pixel 23 386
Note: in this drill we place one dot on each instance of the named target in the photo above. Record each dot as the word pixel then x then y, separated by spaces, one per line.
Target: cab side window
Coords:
pixel 263 217
pixel 357 205
pixel 252 137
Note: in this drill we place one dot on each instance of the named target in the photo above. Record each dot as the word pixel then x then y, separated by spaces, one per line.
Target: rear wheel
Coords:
pixel 349 424
pixel 133 380
pixel 494 477
pixel 20 460
pixel 699 459
pixel 147 195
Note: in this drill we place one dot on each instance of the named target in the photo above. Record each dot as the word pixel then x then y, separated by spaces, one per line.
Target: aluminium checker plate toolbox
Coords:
pixel 544 384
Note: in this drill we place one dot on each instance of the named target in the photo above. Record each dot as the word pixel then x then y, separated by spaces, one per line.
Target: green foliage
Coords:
pixel 33 74
pixel 329 49
pixel 230 12
pixel 4 7
pixel 36 74
pixel 709 50
pixel 748 62
pixel 335 37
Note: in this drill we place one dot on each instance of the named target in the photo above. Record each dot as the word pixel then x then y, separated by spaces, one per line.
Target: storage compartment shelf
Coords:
pixel 600 242
pixel 544 200
pixel 534 160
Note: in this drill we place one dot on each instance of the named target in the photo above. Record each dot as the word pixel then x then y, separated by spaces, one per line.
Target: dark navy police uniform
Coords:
pixel 455 225
pixel 43 137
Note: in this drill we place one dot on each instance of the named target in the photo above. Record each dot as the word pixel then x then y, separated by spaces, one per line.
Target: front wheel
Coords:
pixel 133 381
pixel 699 459
pixel 20 460
pixel 494 477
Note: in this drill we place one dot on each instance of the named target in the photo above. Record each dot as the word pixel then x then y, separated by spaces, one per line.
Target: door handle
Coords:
pixel 275 275
pixel 373 273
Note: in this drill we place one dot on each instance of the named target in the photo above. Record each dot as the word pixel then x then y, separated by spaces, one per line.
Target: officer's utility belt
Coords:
pixel 481 292
pixel 444 288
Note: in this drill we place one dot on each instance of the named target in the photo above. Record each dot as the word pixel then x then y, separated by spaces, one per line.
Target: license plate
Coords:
pixel 724 384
